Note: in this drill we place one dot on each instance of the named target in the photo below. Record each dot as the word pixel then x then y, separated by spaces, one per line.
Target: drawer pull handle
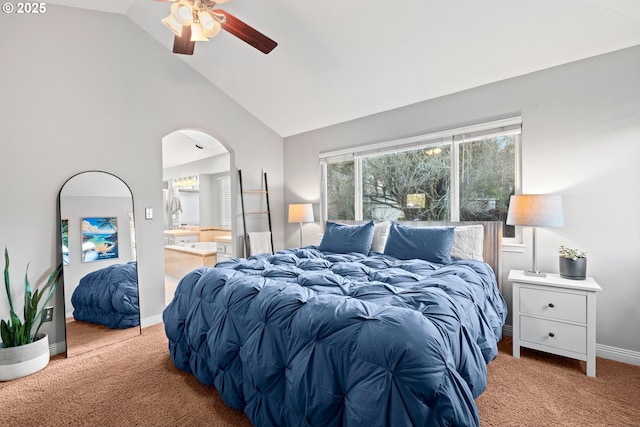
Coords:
pixel 551 305
pixel 551 334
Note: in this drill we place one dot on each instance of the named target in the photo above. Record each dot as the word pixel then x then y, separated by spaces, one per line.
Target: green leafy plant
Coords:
pixel 16 332
pixel 573 254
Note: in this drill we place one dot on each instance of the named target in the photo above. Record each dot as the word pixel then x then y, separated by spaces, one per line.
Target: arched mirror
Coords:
pixel 99 261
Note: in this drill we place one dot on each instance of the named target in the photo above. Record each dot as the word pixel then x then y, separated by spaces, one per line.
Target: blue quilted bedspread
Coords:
pixel 108 296
pixel 305 338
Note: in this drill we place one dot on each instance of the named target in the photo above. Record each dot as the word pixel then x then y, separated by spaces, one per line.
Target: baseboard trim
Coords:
pixel 150 321
pixel 57 348
pixel 618 354
pixel 606 352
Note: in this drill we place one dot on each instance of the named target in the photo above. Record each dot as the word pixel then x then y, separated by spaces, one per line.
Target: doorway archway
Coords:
pixel 197 202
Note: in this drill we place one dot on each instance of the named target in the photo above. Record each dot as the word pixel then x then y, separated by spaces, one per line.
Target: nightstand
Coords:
pixel 555 315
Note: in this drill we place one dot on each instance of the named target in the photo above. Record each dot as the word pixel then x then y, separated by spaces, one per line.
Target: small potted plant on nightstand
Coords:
pixel 24 350
pixel 573 263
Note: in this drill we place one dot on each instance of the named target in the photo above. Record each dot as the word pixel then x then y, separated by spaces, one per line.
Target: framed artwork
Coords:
pixel 99 238
pixel 64 234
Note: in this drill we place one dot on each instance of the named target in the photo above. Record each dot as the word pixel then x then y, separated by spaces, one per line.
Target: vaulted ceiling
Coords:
pixel 341 60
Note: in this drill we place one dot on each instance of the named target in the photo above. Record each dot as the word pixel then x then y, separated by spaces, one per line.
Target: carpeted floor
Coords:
pixel 134 383
pixel 84 336
pixel 541 389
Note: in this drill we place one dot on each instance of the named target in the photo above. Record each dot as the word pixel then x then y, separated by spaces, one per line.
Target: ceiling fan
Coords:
pixel 197 20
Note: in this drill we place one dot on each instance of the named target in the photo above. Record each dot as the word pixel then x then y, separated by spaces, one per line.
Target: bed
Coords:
pixel 109 297
pixel 380 325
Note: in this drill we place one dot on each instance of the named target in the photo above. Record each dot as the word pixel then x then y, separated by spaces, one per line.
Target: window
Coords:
pixel 487 179
pixel 224 201
pixel 341 190
pixel 466 174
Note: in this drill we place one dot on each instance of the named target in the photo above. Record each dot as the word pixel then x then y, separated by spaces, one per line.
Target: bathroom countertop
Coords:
pixel 214 228
pixel 222 239
pixel 180 232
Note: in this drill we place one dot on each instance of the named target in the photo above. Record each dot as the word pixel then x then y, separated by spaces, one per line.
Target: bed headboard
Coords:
pixel 492 249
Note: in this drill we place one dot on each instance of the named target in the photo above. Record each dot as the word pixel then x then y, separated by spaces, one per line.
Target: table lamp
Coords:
pixel 535 210
pixel 301 212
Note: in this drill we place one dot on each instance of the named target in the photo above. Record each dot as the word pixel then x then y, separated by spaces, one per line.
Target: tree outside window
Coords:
pixel 340 190
pixel 487 179
pixel 392 181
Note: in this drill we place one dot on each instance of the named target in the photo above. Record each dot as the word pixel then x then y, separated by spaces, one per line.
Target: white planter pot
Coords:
pixel 16 362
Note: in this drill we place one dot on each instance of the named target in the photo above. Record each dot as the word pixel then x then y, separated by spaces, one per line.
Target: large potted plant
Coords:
pixel 573 263
pixel 24 350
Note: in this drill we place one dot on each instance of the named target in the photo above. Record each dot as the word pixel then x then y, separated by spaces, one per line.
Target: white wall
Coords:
pixel 581 139
pixel 83 90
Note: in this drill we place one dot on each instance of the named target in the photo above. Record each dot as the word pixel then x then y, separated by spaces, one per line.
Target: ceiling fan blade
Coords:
pixel 247 33
pixel 183 44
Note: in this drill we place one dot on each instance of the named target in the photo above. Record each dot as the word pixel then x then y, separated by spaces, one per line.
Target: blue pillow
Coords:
pixel 343 239
pixel 428 243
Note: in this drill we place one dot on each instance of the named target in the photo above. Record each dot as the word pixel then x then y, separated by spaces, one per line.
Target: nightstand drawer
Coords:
pixel 553 304
pixel 554 334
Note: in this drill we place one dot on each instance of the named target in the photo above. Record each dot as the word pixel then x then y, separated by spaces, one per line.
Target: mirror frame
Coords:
pixel 96 335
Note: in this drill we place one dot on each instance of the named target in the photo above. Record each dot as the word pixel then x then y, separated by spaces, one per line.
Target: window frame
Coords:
pixel 454 137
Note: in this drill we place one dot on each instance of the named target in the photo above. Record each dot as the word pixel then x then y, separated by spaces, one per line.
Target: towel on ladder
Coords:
pixel 260 243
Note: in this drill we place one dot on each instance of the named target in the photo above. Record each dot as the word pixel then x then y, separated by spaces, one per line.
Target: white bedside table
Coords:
pixel 555 315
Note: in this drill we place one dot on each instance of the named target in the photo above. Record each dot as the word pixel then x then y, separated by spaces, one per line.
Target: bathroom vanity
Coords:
pixel 189 248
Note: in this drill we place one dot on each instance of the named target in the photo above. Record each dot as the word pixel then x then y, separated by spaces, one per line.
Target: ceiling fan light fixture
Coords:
pixel 220 17
pixel 210 25
pixel 198 20
pixel 182 13
pixel 197 33
pixel 171 23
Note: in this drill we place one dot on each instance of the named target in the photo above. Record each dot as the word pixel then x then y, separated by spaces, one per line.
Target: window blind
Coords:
pixel 224 201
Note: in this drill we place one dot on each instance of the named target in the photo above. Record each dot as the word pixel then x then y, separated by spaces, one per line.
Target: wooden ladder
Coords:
pixel 264 192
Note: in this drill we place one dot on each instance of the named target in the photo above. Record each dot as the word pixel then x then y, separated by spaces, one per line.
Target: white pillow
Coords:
pixel 380 234
pixel 467 242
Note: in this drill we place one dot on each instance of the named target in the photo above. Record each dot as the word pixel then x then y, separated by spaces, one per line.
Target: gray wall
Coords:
pixel 84 90
pixel 581 139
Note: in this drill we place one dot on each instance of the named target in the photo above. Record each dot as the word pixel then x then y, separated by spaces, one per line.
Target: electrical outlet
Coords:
pixel 48 314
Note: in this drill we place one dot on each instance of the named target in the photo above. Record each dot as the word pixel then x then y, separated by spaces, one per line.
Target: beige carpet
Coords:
pixel 134 383
pixel 541 389
pixel 85 336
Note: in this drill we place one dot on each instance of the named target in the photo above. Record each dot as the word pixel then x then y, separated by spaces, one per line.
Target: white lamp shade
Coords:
pixel 210 26
pixel 301 212
pixel 197 33
pixel 173 25
pixel 182 13
pixel 536 210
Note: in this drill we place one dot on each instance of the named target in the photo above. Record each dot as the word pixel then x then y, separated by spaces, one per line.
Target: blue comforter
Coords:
pixel 108 296
pixel 304 337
